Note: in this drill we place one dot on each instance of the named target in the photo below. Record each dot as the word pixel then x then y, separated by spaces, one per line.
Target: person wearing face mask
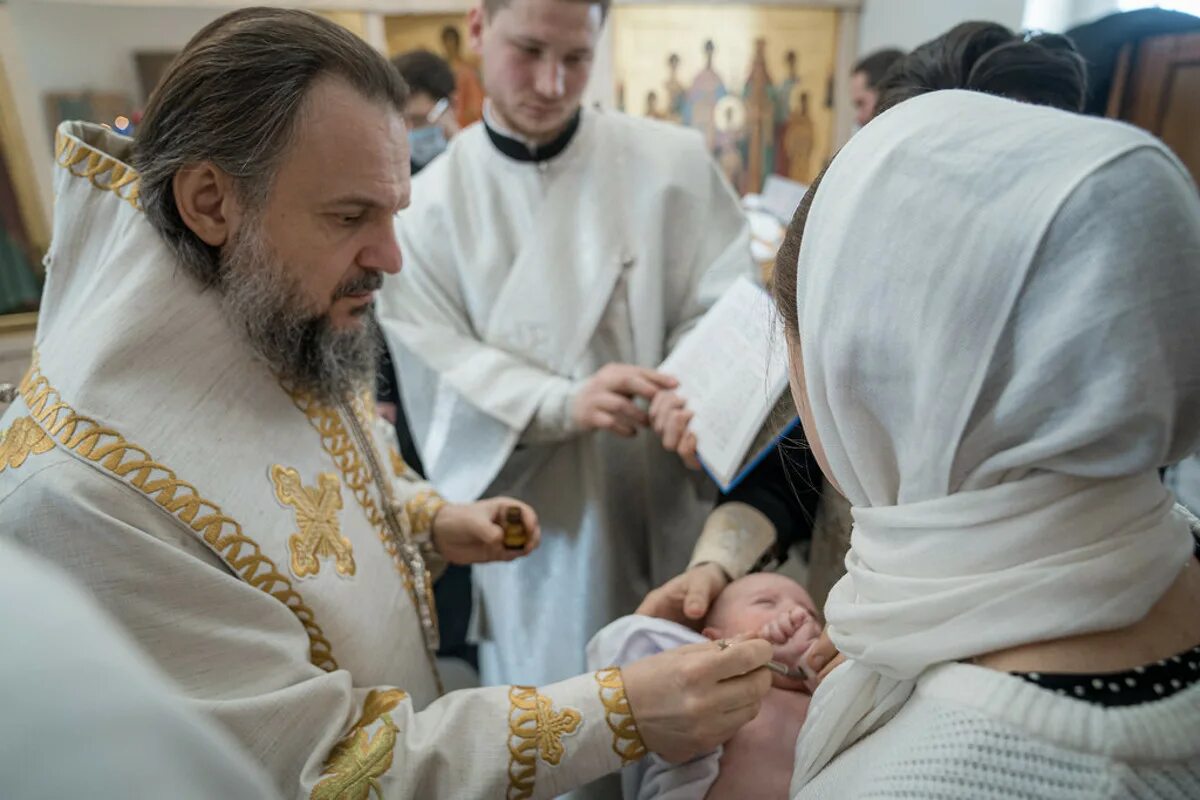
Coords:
pixel 431 122
pixel 209 465
pixel 554 255
pixel 427 114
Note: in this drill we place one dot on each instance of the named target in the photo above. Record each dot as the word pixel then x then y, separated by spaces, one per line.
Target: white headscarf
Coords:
pixel 994 395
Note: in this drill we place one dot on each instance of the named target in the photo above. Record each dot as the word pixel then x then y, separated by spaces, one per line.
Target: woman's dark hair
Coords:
pixel 1044 69
pixel 783 281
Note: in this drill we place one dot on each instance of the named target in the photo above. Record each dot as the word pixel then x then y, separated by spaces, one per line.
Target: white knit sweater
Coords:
pixel 970 732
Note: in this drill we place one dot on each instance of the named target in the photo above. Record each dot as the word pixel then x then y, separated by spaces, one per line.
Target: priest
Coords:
pixel 195 442
pixel 554 255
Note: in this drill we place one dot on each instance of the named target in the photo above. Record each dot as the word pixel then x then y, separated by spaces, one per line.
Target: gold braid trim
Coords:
pixel 343 450
pixel 535 728
pixel 22 440
pixel 627 741
pixel 128 462
pixel 398 465
pixel 421 510
pixel 104 171
pixel 424 506
pixel 356 763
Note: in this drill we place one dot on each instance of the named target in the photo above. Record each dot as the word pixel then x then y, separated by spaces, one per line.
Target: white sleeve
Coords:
pixel 242 658
pixel 86 714
pixel 631 638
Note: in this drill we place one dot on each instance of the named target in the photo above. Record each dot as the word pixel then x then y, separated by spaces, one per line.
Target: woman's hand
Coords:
pixel 821 659
pixel 686 598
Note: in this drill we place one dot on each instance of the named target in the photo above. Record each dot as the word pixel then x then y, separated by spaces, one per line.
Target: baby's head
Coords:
pixel 770 605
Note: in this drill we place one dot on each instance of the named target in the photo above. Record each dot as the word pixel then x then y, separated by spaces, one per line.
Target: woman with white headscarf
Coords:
pixel 994 318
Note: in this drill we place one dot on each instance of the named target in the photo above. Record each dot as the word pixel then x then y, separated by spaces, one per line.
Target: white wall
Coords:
pixel 1059 15
pixel 76 46
pixel 69 46
pixel 908 23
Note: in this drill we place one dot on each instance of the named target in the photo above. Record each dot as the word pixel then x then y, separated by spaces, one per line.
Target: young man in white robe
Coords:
pixel 193 443
pixel 554 255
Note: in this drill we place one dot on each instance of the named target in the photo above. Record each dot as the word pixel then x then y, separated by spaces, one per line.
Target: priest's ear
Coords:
pixel 208 202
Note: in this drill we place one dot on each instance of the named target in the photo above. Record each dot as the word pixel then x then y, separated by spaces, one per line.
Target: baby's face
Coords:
pixel 753 603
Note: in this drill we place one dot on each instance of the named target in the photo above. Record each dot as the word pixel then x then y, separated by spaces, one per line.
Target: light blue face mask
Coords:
pixel 425 144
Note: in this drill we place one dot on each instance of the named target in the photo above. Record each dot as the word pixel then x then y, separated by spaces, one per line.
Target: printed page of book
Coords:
pixel 732 370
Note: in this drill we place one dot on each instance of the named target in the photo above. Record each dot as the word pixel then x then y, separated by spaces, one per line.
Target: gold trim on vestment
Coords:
pixel 320 535
pixel 22 439
pixel 536 729
pixel 627 740
pixel 356 763
pixel 341 447
pixel 105 172
pixel 112 453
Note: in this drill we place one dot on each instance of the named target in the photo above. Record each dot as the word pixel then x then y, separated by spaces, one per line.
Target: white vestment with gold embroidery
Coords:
pixel 521 280
pixel 245 536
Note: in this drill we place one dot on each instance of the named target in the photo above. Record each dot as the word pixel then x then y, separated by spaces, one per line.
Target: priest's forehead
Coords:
pixel 347 149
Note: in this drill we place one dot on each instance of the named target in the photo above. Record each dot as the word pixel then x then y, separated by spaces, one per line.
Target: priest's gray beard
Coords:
pixel 261 296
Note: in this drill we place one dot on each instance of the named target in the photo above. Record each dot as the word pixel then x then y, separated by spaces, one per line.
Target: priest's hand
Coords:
pixel 606 400
pixel 689 700
pixel 473 533
pixel 670 417
pixel 685 598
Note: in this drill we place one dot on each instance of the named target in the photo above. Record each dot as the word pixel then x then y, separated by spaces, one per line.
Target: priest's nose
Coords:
pixel 550 79
pixel 382 255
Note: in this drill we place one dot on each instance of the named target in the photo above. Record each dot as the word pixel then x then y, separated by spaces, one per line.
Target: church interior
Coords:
pixel 613 431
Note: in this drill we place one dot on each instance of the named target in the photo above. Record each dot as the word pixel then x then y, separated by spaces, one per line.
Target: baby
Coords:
pixel 757 761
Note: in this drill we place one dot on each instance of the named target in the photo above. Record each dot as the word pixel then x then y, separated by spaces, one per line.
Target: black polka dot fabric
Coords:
pixel 1143 684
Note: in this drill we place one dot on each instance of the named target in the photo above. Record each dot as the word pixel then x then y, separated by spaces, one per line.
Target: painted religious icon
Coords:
pixel 707 88
pixel 676 94
pixel 799 139
pixel 652 110
pixel 730 132
pixel 784 105
pixel 759 97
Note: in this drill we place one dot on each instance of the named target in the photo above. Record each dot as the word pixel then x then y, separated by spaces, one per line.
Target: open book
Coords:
pixel 732 370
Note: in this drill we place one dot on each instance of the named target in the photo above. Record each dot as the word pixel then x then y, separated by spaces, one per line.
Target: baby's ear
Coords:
pixel 711 633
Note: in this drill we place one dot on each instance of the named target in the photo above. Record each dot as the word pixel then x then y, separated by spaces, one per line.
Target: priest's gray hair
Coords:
pixel 233 98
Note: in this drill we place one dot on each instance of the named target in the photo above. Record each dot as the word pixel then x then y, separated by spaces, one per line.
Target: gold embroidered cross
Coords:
pixel 317 507
pixel 23 439
pixel 551 727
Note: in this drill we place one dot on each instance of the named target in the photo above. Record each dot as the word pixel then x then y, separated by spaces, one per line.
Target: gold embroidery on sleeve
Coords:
pixel 627 741
pixel 316 509
pixel 104 171
pixel 126 461
pixel 421 510
pixel 357 762
pixel 22 440
pixel 535 729
pixel 398 466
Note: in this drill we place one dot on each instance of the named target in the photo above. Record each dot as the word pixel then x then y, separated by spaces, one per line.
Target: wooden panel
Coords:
pixel 1116 95
pixel 1180 127
pixel 1165 94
